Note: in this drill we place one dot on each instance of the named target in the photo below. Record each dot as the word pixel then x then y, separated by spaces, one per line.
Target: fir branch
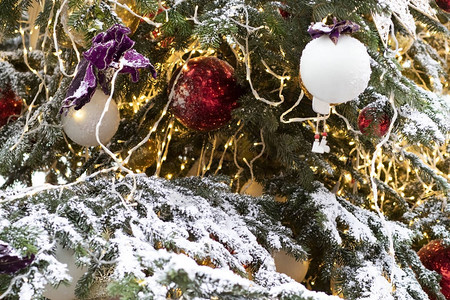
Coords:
pixel 11 15
pixel 417 162
pixel 147 6
pixel 44 15
pixel 433 24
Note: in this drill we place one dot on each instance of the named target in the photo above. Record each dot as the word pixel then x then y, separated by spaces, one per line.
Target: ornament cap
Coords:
pixel 333 31
pixel 320 106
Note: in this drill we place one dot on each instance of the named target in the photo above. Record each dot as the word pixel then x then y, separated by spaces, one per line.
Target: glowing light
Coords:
pixel 348 177
pixel 79 115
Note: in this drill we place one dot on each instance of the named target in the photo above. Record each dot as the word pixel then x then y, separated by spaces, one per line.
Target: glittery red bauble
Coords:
pixel 10 106
pixel 444 5
pixel 373 121
pixel 436 257
pixel 284 13
pixel 205 93
pixel 156 34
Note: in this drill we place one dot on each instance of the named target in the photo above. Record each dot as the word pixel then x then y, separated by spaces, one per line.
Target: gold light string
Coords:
pixel 149 98
pixel 349 127
pixel 227 145
pixel 33 11
pixel 30 191
pixel 240 169
pixel 162 153
pixel 200 160
pixel 17 278
pixel 245 51
pixel 55 39
pixel 206 168
pixel 282 78
pixel 29 116
pixel 374 187
pixel 194 17
pixel 119 163
pixel 250 165
pixel 145 19
pixel 292 120
pixel 234 140
pixel 163 113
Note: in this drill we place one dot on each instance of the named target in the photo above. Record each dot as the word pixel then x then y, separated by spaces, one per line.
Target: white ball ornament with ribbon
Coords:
pixel 80 125
pixel 287 264
pixel 335 68
pixel 66 292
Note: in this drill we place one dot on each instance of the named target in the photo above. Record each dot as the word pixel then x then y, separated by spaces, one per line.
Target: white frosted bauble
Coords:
pixel 334 73
pixel 255 189
pixel 64 292
pixel 287 264
pixel 79 125
pixel 252 188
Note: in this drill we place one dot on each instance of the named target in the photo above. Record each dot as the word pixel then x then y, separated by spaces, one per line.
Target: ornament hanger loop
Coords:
pixel 293 120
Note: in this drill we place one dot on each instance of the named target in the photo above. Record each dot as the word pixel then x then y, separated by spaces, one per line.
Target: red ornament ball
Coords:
pixel 374 121
pixel 284 13
pixel 156 34
pixel 436 257
pixel 205 93
pixel 10 106
pixel 444 5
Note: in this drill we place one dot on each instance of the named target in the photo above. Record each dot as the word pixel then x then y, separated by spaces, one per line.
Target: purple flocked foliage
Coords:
pixel 109 49
pixel 10 262
pixel 318 29
pixel 82 86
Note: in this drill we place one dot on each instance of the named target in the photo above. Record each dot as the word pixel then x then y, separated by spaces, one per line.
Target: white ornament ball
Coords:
pixel 66 292
pixel 334 73
pixel 287 264
pixel 255 189
pixel 252 188
pixel 79 125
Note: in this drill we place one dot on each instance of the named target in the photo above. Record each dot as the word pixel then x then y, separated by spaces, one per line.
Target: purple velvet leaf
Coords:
pixel 124 43
pixel 101 55
pixel 109 46
pixel 107 51
pixel 345 26
pixel 10 262
pixel 82 86
pixel 132 61
pixel 316 30
pixel 102 80
pixel 111 33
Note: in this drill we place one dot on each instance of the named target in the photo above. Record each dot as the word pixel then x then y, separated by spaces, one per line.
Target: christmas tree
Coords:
pixel 227 149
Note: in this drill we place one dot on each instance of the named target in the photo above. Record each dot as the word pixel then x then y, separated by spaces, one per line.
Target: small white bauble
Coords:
pixel 252 188
pixel 334 73
pixel 64 292
pixel 79 125
pixel 255 189
pixel 287 264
